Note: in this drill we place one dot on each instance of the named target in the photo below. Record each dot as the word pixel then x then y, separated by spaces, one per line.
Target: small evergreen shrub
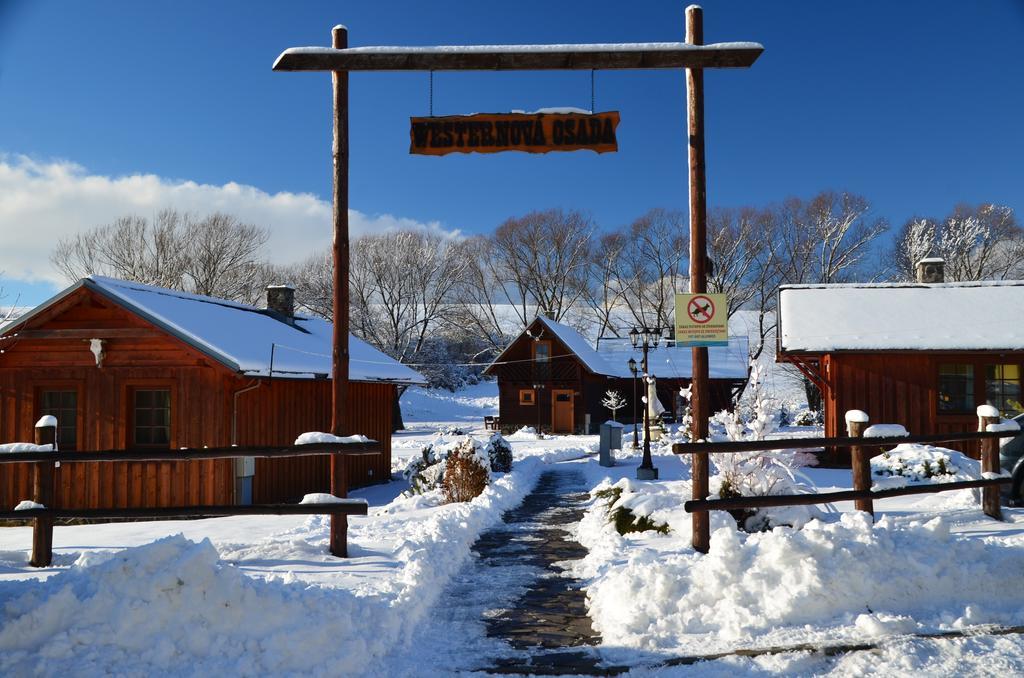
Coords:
pixel 499 453
pixel 466 474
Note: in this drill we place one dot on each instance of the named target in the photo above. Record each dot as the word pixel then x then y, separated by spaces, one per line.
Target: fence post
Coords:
pixel 339 521
pixel 701 520
pixel 42 493
pixel 989 462
pixel 860 462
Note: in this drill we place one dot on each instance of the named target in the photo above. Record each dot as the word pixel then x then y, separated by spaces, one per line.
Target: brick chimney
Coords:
pixel 281 300
pixel 931 270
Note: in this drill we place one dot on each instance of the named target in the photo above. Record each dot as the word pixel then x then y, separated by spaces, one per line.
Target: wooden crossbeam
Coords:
pixel 521 57
pixel 185 454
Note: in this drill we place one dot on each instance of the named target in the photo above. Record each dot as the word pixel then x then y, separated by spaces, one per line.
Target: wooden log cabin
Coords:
pixel 551 377
pixel 124 365
pixel 921 354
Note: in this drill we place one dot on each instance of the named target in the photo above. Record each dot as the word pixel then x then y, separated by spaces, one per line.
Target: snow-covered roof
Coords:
pixel 982 316
pixel 242 336
pixel 667 362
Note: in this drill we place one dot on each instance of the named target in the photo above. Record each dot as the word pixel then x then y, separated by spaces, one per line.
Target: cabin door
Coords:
pixel 562 414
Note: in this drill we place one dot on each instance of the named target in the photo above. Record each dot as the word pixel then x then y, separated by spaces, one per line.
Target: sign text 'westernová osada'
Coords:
pixel 529 132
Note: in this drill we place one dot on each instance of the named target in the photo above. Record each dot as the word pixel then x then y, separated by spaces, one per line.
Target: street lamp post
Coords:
pixel 636 439
pixel 645 339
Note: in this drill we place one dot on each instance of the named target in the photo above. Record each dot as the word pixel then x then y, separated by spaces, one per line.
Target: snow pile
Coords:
pixel 27 505
pixel 1004 426
pixel 174 603
pixel 525 433
pixel 847 578
pixel 313 437
pixel 914 464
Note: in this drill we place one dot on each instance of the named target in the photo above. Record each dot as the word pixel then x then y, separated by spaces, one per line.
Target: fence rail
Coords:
pixel 44 460
pixel 860 465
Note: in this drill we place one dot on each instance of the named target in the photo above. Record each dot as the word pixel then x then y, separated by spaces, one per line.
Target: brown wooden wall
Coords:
pixel 898 388
pixel 201 411
pixel 279 411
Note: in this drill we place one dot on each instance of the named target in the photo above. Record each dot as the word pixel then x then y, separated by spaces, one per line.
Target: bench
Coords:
pixel 492 423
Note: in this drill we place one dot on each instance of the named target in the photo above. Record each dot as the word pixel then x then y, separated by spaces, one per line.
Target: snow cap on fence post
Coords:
pixel 46 431
pixel 856 417
pixel 987 412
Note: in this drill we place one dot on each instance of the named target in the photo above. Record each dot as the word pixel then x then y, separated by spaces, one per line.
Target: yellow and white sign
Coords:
pixel 702 320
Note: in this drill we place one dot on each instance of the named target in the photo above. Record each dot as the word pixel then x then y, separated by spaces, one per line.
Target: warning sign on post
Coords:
pixel 702 320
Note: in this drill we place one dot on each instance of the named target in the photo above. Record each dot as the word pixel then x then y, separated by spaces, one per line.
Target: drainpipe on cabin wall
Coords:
pixel 245 467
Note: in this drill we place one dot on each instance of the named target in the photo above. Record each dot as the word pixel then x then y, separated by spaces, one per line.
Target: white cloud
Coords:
pixel 41 202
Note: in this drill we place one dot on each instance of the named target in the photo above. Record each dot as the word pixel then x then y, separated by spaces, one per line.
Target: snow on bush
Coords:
pixel 914 464
pixel 618 500
pixel 753 474
pixel 466 473
pixel 840 579
pixel 526 433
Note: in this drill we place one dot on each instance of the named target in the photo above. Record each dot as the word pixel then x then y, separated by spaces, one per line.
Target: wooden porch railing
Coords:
pixel 43 486
pixel 862 495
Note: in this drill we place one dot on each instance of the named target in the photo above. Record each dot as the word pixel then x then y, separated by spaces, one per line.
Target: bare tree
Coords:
pixel 652 266
pixel 402 287
pixel 605 291
pixel 736 248
pixel 217 255
pixel 982 242
pixel 534 264
pixel 827 239
pixel 916 240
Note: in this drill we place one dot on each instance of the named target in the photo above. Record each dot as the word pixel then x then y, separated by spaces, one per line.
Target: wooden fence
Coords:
pixel 44 460
pixel 862 495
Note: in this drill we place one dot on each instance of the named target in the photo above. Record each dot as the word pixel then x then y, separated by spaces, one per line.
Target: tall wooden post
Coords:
pixel 989 464
pixel 42 493
pixel 700 401
pixel 860 464
pixel 339 250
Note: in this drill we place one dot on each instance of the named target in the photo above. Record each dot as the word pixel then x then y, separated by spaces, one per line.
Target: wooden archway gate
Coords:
pixel 692 55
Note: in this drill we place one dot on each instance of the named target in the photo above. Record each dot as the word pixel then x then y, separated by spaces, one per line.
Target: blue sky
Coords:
pixel 916 105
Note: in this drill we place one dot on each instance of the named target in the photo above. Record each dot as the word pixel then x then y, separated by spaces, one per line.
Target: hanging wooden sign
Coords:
pixel 528 132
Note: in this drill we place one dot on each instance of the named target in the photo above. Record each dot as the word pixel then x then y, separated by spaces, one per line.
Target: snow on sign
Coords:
pixel 702 320
pixel 529 132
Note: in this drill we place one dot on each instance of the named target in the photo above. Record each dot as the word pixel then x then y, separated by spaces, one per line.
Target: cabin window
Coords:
pixel 542 360
pixel 1002 389
pixel 956 388
pixel 151 417
pixel 64 406
pixel 526 396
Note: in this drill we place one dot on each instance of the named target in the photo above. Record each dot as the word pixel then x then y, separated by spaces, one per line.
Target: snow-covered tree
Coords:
pixel 614 401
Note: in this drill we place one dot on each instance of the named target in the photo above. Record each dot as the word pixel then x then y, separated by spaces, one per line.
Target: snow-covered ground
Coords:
pixel 259 595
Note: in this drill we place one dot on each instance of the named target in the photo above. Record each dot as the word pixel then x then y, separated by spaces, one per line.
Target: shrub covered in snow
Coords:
pixel 499 453
pixel 466 472
pixel 622 516
pixel 913 463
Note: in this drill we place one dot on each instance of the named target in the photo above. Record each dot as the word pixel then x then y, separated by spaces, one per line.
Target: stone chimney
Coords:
pixel 281 300
pixel 931 270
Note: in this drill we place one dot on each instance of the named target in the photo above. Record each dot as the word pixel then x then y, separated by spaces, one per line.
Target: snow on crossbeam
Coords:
pixel 639 55
pixel 314 437
pixel 885 431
